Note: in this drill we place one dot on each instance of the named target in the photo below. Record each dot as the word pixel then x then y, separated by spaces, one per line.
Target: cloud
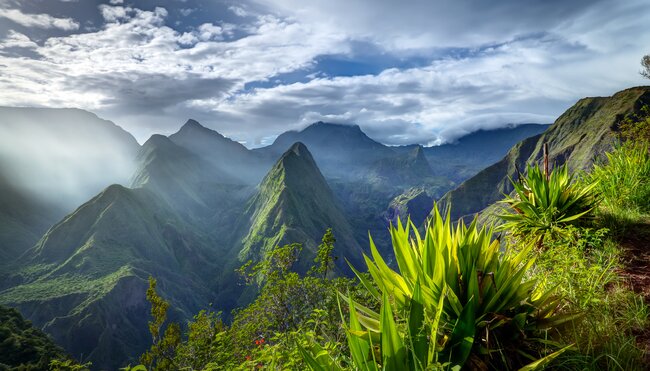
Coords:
pixel 39 20
pixel 17 40
pixel 433 24
pixel 433 71
pixel 527 80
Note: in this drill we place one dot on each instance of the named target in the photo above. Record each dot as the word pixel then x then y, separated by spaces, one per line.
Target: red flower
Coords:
pixel 248 358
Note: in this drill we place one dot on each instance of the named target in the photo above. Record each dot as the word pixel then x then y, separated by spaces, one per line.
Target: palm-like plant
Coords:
pixel 457 299
pixel 544 203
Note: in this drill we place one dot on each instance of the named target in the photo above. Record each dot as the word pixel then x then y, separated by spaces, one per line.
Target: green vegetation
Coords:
pixel 24 347
pixel 545 204
pixel 456 297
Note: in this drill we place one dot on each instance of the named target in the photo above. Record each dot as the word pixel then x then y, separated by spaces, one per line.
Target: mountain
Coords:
pixel 231 157
pixel 473 152
pixel 415 204
pixel 85 281
pixel 63 156
pixel 403 170
pixel 23 220
pixel 339 149
pixel 578 137
pixel 295 204
pixel 22 346
pixel 52 160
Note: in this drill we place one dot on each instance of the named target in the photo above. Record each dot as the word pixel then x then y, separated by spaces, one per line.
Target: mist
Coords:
pixel 63 157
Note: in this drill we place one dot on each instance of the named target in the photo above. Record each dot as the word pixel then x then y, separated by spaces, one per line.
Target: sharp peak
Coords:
pixel 191 123
pixel 298 148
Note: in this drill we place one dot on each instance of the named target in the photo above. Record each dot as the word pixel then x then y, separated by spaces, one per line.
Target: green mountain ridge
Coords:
pixel 294 204
pixel 84 281
pixel 578 137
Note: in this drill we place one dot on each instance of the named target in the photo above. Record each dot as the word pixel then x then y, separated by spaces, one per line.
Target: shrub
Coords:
pixel 544 205
pixel 623 180
pixel 457 300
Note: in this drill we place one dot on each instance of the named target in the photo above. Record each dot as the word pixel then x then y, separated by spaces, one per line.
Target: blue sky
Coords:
pixel 405 71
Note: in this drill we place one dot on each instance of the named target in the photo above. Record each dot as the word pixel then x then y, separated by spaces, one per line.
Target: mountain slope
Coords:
pixel 229 156
pixel 22 346
pixel 23 220
pixel 85 281
pixel 63 155
pixel 578 137
pixel 52 160
pixel 294 204
pixel 473 152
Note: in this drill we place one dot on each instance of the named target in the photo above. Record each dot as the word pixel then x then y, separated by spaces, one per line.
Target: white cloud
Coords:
pixel 116 2
pixel 150 77
pixel 17 40
pixel 38 20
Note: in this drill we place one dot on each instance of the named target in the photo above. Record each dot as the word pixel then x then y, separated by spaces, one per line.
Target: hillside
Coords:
pixel 475 151
pixel 294 204
pixel 63 156
pixel 22 346
pixel 577 138
pixel 84 282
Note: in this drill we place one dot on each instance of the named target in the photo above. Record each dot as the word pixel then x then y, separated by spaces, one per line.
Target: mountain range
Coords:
pixel 195 206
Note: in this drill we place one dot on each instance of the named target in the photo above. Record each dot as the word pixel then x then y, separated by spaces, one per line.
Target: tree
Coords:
pixel 645 63
pixel 161 354
pixel 324 259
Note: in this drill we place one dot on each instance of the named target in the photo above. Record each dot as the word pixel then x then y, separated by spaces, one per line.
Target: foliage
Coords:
pixel 24 347
pixel 161 354
pixel 645 63
pixel 583 265
pixel 623 181
pixel 636 126
pixel 544 204
pixel 457 301
pixel 68 365
pixel 324 260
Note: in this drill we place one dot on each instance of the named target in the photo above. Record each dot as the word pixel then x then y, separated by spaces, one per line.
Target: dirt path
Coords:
pixel 636 247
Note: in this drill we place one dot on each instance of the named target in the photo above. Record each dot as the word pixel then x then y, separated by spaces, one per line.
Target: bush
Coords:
pixel 623 180
pixel 545 205
pixel 456 300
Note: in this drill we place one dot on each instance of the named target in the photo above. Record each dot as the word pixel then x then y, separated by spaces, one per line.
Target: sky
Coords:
pixel 419 71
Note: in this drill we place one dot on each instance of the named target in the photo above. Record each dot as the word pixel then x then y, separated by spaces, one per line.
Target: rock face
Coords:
pixel 578 137
pixel 415 204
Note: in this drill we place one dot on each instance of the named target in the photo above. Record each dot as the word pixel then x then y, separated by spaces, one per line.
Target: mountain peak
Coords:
pixel 299 149
pixel 157 140
pixel 191 123
pixel 330 125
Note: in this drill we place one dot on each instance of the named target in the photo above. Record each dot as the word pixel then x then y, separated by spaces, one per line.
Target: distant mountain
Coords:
pixel 52 160
pixel 23 220
pixel 473 152
pixel 339 149
pixel 579 136
pixel 295 204
pixel 403 169
pixel 231 157
pixel 64 156
pixel 415 204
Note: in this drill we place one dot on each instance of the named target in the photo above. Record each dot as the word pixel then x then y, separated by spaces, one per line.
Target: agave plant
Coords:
pixel 455 299
pixel 544 203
